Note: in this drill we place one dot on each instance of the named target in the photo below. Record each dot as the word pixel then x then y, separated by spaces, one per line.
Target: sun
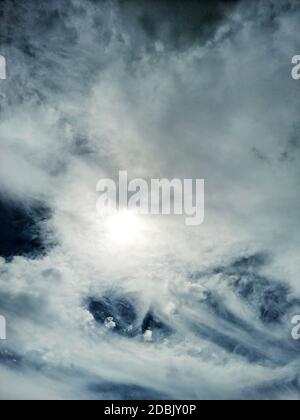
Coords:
pixel 125 227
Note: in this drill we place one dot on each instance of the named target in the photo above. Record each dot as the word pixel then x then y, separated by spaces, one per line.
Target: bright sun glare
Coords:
pixel 125 227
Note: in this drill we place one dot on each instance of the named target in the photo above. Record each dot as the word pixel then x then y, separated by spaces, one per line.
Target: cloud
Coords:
pixel 97 87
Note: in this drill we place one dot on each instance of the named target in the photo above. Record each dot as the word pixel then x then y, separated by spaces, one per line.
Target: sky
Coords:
pixel 182 89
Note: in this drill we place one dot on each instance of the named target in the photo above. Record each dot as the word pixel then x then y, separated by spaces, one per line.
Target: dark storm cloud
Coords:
pixel 177 23
pixel 22 229
pixel 46 33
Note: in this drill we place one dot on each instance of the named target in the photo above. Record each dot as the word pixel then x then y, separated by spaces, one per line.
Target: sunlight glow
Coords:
pixel 125 227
